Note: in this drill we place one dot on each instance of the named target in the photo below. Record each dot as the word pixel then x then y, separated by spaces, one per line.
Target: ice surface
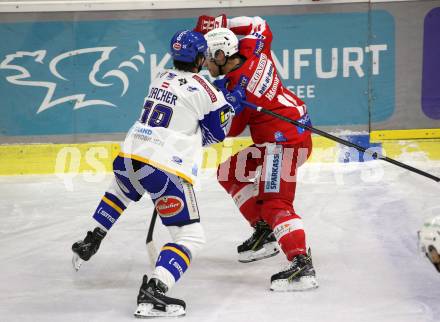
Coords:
pixel 361 221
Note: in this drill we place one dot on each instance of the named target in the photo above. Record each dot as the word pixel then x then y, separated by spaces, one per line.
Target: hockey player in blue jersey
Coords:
pixel 182 112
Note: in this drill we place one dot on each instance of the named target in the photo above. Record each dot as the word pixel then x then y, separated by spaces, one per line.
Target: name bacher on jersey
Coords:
pixel 163 95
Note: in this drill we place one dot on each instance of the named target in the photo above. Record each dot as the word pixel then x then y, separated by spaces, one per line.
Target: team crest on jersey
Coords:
pixel 243 81
pixel 168 206
pixel 279 137
pixel 182 81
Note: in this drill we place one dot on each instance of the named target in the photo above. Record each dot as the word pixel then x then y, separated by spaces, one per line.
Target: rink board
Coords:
pixel 98 157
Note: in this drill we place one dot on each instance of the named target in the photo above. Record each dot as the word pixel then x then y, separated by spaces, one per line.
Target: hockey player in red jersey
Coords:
pixel 279 147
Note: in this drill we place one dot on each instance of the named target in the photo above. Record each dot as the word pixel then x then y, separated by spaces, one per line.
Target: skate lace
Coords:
pixel 151 293
pixel 154 290
pixel 257 234
pixel 290 265
pixel 296 264
pixel 251 239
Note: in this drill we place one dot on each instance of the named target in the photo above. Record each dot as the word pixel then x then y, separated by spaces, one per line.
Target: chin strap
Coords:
pixel 220 67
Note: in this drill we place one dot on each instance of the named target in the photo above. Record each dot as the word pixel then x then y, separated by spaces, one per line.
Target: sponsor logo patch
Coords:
pixel 258 73
pixel 177 46
pixel 281 230
pixel 106 215
pixel 266 80
pixel 142 130
pixel 273 171
pixel 271 94
pixel 195 170
pixel 258 47
pixel 169 206
pixel 177 160
pixel 206 87
pixel 171 76
pixel 191 89
pixel 287 227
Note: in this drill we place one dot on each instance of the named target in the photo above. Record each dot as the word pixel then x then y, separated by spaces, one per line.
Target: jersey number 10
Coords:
pixel 159 116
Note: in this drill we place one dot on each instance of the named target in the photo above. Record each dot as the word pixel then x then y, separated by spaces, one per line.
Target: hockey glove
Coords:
pixel 234 97
pixel 222 83
pixel 207 23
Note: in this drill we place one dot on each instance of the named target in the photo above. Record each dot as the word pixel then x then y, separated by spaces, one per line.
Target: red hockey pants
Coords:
pixel 262 182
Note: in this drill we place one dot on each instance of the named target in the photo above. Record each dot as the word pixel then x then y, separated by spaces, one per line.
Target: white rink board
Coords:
pixel 362 234
pixel 103 5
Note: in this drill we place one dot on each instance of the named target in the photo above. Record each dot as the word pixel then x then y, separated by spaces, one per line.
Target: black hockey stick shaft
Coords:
pixel 375 155
pixel 151 227
pixel 151 248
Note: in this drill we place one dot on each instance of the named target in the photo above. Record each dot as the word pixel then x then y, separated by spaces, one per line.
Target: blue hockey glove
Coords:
pixel 221 83
pixel 233 97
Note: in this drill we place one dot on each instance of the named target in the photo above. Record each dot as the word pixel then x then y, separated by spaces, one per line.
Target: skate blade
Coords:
pixel 145 311
pixel 76 261
pixel 303 284
pixel 269 250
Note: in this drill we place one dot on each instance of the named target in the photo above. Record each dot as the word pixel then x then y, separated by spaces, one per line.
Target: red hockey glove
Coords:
pixel 207 23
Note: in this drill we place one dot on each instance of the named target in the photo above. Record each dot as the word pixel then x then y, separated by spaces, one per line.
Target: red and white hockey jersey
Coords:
pixel 263 87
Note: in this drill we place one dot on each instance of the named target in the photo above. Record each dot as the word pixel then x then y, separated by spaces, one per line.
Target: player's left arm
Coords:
pixel 217 123
pixel 215 112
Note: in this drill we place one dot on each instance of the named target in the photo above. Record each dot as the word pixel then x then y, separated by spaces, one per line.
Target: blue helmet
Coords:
pixel 186 45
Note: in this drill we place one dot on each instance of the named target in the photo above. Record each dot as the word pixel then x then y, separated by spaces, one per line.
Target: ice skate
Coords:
pixel 262 244
pixel 84 249
pixel 152 301
pixel 298 276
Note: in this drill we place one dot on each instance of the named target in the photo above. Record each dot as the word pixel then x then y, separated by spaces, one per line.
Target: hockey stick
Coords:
pixel 152 252
pixel 375 155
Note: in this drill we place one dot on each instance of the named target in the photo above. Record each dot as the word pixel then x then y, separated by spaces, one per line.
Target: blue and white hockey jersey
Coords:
pixel 181 113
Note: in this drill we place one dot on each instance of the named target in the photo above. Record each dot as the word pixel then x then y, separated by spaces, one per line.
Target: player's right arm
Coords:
pixel 239 25
pixel 256 31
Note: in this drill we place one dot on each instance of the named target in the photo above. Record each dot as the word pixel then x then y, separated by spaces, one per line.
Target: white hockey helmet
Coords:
pixel 221 39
